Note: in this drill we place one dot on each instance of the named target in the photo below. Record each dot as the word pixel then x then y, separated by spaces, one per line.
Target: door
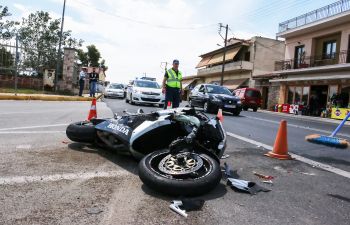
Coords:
pixel 194 95
pixel 201 96
pixel 348 52
pixel 318 99
pixel 265 94
pixel 299 56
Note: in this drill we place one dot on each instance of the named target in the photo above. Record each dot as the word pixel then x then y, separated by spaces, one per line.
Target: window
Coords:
pixel 329 49
pixel 146 84
pixel 333 90
pixel 214 89
pixel 305 98
pixel 298 95
pixel 247 56
pixel 290 95
pixel 253 94
pixel 201 89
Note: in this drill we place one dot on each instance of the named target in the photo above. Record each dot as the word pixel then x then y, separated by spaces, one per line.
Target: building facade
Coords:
pixel 243 60
pixel 315 72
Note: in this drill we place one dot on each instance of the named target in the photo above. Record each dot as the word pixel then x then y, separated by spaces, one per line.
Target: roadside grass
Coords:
pixel 23 91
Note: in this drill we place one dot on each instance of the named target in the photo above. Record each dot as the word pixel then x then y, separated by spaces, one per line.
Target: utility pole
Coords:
pixel 59 47
pixel 16 64
pixel 224 57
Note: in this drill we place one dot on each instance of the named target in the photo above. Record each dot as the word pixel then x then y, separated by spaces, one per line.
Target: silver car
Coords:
pixel 114 90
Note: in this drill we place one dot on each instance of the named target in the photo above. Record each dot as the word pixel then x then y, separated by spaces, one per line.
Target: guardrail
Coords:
pixel 316 15
pixel 313 61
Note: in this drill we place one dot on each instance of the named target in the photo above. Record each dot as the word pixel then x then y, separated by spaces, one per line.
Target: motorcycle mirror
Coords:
pixel 140 111
pixel 115 115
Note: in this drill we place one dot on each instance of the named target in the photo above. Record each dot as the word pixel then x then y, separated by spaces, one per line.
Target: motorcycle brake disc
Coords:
pixel 189 163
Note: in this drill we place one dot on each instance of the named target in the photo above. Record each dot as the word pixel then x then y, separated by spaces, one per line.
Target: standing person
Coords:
pixel 93 78
pixel 82 77
pixel 172 86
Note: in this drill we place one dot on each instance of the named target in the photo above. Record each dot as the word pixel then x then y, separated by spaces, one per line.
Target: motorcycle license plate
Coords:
pixel 230 106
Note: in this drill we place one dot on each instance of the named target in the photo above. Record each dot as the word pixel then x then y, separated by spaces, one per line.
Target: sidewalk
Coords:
pixel 307 118
pixel 44 97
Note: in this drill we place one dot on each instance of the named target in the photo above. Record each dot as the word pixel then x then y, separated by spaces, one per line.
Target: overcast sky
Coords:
pixel 135 36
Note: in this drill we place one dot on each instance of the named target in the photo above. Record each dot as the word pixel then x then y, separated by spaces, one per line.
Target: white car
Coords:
pixel 144 92
pixel 114 90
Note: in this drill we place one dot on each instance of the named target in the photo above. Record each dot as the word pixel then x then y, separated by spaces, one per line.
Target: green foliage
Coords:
pixel 6 61
pixel 91 57
pixel 39 35
pixel 7 27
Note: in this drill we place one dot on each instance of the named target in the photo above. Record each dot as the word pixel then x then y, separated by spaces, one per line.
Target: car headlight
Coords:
pixel 239 102
pixel 136 91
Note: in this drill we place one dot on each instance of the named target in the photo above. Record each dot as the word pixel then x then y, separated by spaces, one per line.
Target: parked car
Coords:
pixel 144 92
pixel 250 97
pixel 211 97
pixel 114 90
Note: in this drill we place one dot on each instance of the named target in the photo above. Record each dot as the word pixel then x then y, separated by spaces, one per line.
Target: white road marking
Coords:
pixel 23 146
pixel 32 132
pixel 295 156
pixel 33 127
pixel 58 177
pixel 298 126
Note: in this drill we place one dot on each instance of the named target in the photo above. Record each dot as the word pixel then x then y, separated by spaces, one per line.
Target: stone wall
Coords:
pixel 273 96
pixel 8 81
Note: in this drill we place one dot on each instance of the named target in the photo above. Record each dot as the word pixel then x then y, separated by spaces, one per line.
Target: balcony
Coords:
pixel 229 67
pixel 313 61
pixel 316 15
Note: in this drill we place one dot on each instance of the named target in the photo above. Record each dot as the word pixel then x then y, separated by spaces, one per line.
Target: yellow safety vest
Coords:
pixel 173 79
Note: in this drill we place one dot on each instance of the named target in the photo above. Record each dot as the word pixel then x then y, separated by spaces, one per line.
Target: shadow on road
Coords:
pixel 124 161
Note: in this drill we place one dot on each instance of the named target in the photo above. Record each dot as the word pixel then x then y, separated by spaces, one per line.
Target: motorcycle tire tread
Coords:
pixel 179 187
pixel 78 133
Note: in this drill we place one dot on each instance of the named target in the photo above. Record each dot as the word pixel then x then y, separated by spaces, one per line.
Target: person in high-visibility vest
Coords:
pixel 172 85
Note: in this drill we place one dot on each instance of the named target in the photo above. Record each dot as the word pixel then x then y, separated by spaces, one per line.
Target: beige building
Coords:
pixel 317 60
pixel 243 60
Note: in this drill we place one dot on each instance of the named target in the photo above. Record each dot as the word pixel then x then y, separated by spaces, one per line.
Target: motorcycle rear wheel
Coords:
pixel 83 131
pixel 207 174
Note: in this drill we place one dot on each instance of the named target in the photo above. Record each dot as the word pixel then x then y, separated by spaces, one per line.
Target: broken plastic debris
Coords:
pixel 267 181
pixel 246 186
pixel 262 176
pixel 186 204
pixel 94 210
pixel 229 172
pixel 225 156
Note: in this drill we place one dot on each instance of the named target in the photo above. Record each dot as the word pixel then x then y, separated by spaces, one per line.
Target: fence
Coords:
pixel 314 61
pixel 316 15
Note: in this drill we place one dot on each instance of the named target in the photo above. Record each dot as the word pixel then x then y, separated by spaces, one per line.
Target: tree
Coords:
pixel 7 27
pixel 39 34
pixel 91 57
pixel 6 61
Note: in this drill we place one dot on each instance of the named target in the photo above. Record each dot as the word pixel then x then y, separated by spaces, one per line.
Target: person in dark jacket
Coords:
pixel 93 78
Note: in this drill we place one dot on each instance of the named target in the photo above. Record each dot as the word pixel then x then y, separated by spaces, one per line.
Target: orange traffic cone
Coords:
pixel 93 110
pixel 220 116
pixel 280 148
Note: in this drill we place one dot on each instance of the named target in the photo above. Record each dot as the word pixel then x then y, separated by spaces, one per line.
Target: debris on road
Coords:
pixel 94 210
pixel 262 176
pixel 225 156
pixel 186 204
pixel 229 172
pixel 267 182
pixel 246 186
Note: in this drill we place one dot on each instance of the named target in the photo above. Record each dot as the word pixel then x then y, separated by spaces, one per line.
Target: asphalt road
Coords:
pixel 262 127
pixel 47 179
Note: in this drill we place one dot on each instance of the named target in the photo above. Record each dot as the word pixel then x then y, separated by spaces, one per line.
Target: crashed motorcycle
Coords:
pixel 179 149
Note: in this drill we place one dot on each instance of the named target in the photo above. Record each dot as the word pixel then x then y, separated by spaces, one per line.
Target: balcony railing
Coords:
pixel 232 66
pixel 313 61
pixel 316 15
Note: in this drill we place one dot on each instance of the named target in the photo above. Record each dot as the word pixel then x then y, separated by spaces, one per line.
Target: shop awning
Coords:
pixel 218 58
pixel 204 61
pixel 187 83
pixel 235 83
pixel 333 77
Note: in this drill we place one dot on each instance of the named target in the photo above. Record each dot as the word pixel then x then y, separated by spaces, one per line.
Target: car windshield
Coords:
pixel 146 84
pixel 253 94
pixel 116 86
pixel 214 89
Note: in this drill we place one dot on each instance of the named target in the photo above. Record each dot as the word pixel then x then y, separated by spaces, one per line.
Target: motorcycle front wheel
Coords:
pixel 183 174
pixel 83 131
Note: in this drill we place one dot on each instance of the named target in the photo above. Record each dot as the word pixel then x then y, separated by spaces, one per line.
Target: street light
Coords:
pixel 224 57
pixel 59 47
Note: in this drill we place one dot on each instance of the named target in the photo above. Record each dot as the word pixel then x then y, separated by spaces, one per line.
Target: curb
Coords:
pixel 46 98
pixel 305 118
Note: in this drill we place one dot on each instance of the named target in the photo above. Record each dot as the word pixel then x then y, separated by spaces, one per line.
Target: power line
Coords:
pixel 160 26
